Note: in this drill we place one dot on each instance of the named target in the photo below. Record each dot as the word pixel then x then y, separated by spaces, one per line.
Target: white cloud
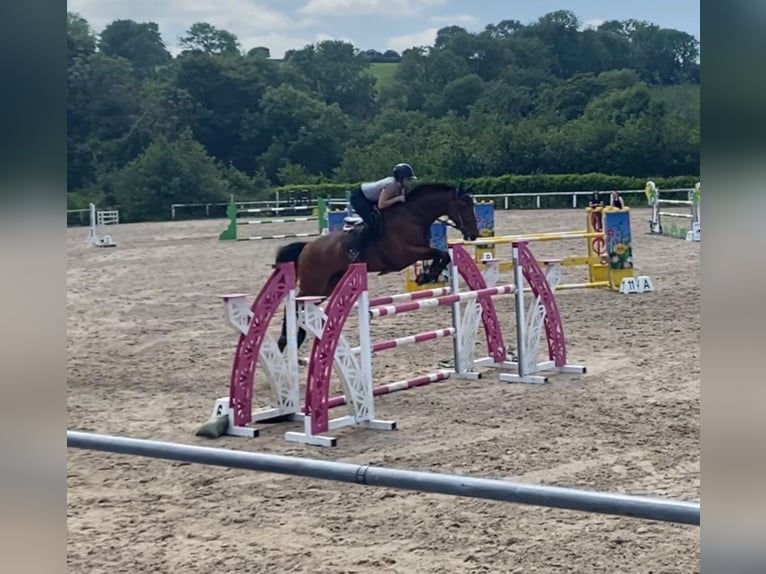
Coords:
pixel 455 20
pixel 345 7
pixel 423 38
pixel 249 20
pixel 255 23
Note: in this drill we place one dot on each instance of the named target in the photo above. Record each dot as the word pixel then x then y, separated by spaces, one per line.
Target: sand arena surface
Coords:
pixel 148 353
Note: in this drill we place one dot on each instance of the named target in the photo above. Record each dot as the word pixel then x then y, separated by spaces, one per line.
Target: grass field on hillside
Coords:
pixel 383 72
pixel 677 96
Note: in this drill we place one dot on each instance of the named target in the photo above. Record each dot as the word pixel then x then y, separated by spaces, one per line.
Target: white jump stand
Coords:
pixel 354 368
pixel 94 238
pixel 280 369
pixel 530 325
pixel 696 232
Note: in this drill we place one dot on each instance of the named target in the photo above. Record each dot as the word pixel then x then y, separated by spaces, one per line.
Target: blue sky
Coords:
pixel 380 24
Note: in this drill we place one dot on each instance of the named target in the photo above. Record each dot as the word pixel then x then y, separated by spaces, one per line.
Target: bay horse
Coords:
pixel 404 239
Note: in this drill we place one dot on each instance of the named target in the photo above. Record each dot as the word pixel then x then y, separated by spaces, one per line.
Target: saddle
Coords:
pixel 355 228
pixel 355 224
pixel 351 222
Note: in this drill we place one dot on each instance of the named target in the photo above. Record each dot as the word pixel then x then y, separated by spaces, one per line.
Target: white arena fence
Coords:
pixel 535 200
pixel 81 217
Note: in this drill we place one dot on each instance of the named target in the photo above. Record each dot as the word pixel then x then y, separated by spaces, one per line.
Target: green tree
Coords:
pixel 139 43
pixel 81 41
pixel 338 73
pixel 293 174
pixel 303 130
pixel 503 29
pixel 462 93
pixel 569 98
pixel 448 35
pixel 102 115
pixel 206 38
pixel 259 52
pixel 169 171
pixel 225 93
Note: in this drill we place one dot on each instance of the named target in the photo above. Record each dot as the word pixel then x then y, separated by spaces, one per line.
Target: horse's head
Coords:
pixel 433 200
pixel 460 209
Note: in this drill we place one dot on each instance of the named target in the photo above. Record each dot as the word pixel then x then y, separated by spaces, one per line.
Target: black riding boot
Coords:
pixel 366 237
pixel 366 210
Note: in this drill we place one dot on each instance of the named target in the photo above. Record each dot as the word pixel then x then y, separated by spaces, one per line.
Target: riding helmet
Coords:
pixel 403 171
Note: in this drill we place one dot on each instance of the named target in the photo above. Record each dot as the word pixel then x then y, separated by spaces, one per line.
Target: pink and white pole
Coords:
pixel 411 339
pixel 388 310
pixel 414 296
pixel 402 385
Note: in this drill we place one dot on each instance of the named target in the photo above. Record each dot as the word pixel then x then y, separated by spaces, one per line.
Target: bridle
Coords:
pixel 454 224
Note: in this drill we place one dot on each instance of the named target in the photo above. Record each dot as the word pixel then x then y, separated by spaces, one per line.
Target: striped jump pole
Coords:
pixel 411 340
pixel 402 385
pixel 675 202
pixel 276 236
pixel 413 296
pixel 267 221
pixel 273 209
pixel 552 236
pixel 388 310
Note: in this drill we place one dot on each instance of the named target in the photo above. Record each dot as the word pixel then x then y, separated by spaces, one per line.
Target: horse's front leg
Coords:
pixel 439 261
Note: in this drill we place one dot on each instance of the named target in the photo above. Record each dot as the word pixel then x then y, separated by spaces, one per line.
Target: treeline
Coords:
pixel 146 129
pixel 387 57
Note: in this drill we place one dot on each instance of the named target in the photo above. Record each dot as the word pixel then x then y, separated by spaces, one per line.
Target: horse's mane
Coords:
pixel 423 189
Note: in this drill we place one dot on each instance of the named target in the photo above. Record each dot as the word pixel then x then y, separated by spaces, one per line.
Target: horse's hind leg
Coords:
pixel 333 282
pixel 282 341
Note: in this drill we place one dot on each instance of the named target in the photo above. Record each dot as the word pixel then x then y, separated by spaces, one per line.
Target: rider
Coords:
pixel 372 197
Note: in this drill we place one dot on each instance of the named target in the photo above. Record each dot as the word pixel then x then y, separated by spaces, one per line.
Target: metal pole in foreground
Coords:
pixel 491 489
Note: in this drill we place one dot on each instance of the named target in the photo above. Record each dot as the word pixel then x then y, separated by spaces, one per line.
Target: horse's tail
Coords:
pixel 289 253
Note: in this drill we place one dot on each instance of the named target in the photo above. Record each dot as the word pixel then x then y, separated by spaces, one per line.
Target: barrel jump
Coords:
pixel 333 352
